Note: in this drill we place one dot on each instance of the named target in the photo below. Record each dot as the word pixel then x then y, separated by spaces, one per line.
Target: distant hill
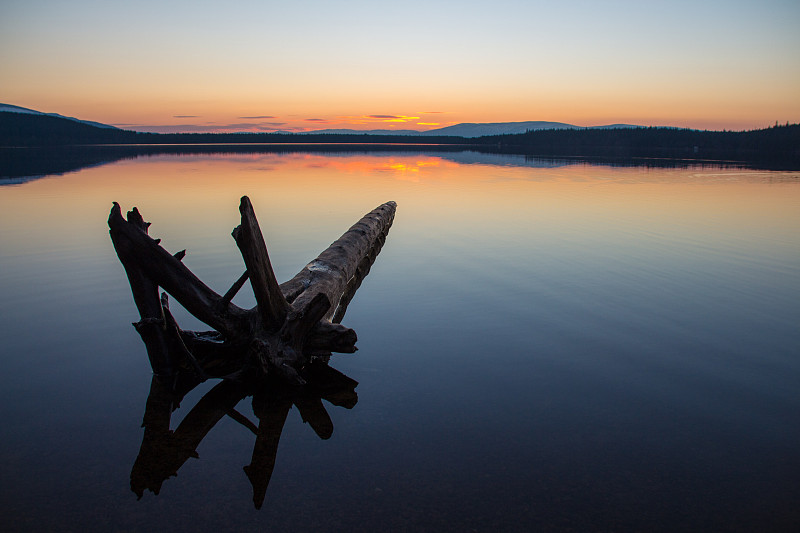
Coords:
pixel 472 130
pixel 469 129
pixel 8 108
pixel 40 129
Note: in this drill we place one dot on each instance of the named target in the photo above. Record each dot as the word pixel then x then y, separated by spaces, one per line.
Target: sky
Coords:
pixel 311 64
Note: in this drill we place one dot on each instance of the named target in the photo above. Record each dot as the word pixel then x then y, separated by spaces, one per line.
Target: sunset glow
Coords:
pixel 269 66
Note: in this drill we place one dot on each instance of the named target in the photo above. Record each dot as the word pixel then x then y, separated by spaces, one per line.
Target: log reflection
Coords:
pixel 164 451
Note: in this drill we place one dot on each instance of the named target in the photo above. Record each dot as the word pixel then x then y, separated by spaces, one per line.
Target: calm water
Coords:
pixel 542 346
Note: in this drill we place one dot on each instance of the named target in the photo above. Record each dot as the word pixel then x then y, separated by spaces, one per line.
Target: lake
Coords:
pixel 544 345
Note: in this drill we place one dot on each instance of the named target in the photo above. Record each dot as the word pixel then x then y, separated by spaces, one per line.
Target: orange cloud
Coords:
pixel 368 119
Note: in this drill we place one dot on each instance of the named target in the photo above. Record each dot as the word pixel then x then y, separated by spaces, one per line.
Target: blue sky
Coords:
pixel 712 64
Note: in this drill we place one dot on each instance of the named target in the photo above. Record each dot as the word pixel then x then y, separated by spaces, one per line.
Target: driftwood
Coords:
pixel 292 324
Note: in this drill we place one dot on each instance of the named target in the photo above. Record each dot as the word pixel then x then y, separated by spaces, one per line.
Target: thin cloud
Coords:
pixel 401 119
pixel 247 125
pixel 257 117
pixel 367 119
pixel 243 127
pixel 185 116
pixel 175 128
pixel 320 120
pixel 392 118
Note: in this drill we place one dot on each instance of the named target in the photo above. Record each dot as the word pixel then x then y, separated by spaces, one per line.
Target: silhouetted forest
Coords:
pixel 778 145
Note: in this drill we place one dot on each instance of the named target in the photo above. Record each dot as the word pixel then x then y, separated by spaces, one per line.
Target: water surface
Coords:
pixel 543 345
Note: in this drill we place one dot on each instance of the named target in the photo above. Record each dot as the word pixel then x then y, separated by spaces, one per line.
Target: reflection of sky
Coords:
pixel 566 202
pixel 533 340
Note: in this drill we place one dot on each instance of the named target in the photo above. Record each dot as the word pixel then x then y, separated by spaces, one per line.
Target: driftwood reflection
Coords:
pixel 163 451
pixel 276 352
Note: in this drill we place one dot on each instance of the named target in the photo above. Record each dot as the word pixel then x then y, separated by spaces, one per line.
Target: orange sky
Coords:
pixel 305 65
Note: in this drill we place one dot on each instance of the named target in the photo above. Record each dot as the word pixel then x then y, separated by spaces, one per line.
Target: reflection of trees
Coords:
pixel 163 451
pixel 25 164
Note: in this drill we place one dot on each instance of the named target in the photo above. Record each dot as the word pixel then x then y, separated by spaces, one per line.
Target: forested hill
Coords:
pixel 22 129
pixel 779 144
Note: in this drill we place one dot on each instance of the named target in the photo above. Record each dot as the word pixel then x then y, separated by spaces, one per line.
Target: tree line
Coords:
pixel 777 142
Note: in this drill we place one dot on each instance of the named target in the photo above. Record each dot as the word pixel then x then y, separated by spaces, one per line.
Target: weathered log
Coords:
pixel 151 326
pixel 272 306
pixel 235 288
pixel 135 247
pixel 291 324
pixel 355 282
pixel 337 265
